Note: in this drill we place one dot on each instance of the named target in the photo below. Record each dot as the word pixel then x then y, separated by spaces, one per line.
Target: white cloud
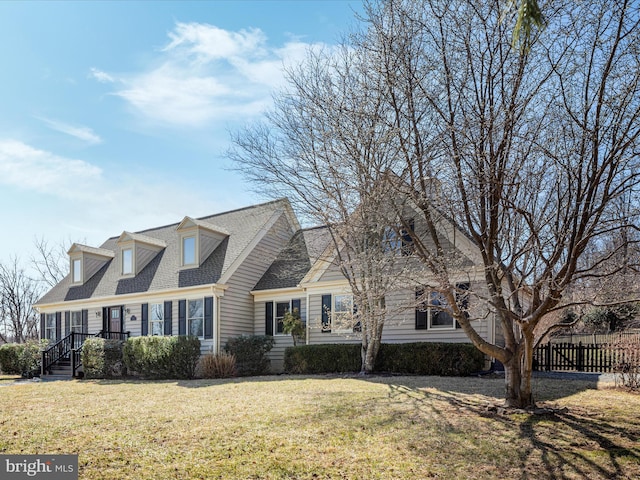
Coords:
pixel 85 134
pixel 28 168
pixel 101 76
pixel 207 75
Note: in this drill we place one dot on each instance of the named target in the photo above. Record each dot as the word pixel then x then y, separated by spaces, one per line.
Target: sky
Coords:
pixel 116 116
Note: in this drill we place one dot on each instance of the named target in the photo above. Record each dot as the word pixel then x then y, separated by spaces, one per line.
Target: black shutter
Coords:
pixel 67 322
pixel 295 305
pixel 182 317
pixel 105 321
pixel 168 318
pixel 144 326
pixel 208 317
pixel 326 313
pixel 43 331
pixel 85 321
pixel 421 312
pixel 268 318
pixel 58 326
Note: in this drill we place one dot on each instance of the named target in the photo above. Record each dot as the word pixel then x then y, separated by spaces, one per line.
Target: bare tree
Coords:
pixel 18 293
pixel 323 146
pixel 529 150
pixel 51 261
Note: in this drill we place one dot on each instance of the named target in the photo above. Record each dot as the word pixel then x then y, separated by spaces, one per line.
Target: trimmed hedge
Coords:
pixel 326 358
pixel 102 358
pixel 251 353
pixel 162 357
pixel 21 358
pixel 422 358
pixel 425 358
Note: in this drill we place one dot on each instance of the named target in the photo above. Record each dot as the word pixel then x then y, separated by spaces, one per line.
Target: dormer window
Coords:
pixel 136 251
pixel 77 270
pixel 189 250
pixel 198 240
pixel 127 261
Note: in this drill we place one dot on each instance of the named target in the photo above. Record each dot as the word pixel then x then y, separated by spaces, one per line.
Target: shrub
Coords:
pixel 162 357
pixel 102 358
pixel 217 365
pixel 626 366
pixel 293 325
pixel 424 358
pixel 21 358
pixel 326 358
pixel 427 358
pixel 251 353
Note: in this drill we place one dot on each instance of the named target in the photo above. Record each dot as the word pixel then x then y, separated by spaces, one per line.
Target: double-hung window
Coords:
pixel 432 309
pixel 338 314
pixel 127 261
pixel 76 322
pixel 156 319
pixel 275 313
pixel 189 250
pixel 50 327
pixel 76 270
pixel 195 317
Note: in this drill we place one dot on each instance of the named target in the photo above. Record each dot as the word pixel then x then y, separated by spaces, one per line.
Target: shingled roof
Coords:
pixel 293 263
pixel 164 271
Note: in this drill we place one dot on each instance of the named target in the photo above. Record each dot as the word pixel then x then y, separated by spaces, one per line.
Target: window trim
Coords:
pixel 47 328
pixel 131 259
pixel 188 318
pixel 78 315
pixel 152 321
pixel 433 295
pixel 183 238
pixel 76 275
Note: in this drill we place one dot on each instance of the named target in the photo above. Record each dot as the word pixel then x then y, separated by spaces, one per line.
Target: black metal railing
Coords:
pixel 70 348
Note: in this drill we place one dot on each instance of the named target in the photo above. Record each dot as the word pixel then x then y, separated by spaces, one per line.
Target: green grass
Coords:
pixel 322 428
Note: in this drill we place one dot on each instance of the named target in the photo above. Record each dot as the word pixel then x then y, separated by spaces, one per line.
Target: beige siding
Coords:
pixel 237 305
pixel 276 355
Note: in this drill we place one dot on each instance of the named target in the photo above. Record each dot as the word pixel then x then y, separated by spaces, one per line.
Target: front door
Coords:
pixel 114 319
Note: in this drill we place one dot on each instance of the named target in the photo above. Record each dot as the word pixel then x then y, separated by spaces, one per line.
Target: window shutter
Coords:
pixel 144 323
pixel 407 240
pixel 268 318
pixel 42 327
pixel 58 326
pixel 105 320
pixel 67 323
pixel 326 313
pixel 85 321
pixel 168 318
pixel 208 317
pixel 182 317
pixel 421 312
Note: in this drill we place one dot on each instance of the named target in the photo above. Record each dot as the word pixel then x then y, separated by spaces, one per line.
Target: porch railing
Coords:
pixel 70 348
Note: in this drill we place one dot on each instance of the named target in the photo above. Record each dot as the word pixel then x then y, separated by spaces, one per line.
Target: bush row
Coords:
pixel 21 358
pixel 423 358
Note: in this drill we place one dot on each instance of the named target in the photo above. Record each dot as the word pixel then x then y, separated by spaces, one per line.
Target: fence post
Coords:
pixel 548 357
pixel 580 357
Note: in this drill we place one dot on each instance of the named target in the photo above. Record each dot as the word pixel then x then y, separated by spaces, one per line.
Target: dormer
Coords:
pixel 198 239
pixel 85 261
pixel 136 251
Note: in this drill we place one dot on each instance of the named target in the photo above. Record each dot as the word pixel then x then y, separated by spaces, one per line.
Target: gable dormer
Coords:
pixel 198 239
pixel 85 261
pixel 136 251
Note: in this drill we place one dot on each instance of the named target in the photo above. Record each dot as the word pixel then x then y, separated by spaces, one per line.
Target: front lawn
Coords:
pixel 322 427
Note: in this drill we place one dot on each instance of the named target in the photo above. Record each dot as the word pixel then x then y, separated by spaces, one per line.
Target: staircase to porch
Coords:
pixel 63 359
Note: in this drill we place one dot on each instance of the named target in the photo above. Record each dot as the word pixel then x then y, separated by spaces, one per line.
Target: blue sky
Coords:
pixel 116 115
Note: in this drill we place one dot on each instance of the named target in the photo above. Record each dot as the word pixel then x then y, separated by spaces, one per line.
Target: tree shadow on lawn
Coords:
pixel 561 442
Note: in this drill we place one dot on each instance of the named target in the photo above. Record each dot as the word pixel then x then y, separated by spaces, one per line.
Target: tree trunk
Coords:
pixel 517 377
pixel 369 353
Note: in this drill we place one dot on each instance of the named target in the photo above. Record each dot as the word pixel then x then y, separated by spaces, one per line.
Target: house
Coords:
pixel 221 276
